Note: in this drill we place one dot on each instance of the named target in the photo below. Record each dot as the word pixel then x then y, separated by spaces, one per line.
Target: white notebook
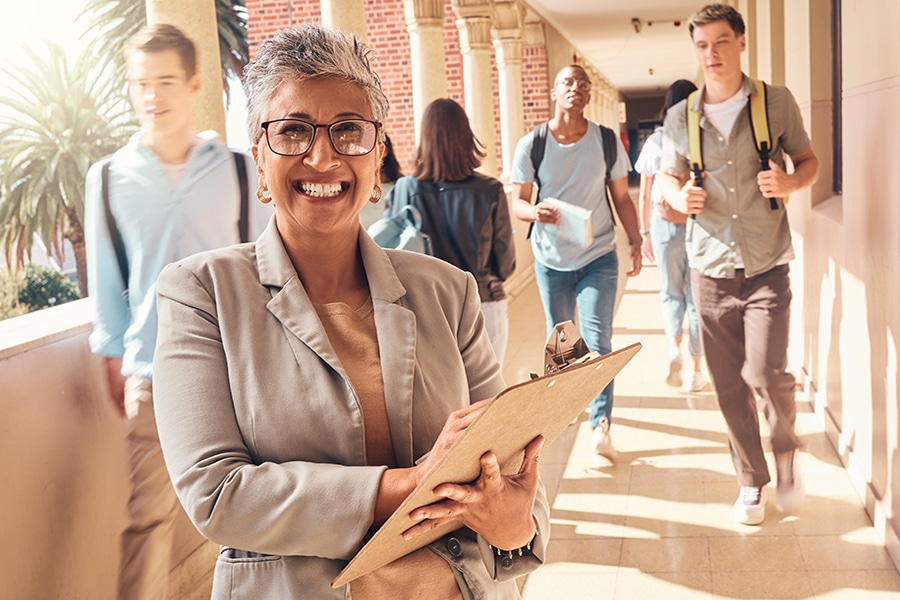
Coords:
pixel 575 224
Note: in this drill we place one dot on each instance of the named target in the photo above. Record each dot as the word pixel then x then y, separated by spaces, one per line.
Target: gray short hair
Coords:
pixel 309 52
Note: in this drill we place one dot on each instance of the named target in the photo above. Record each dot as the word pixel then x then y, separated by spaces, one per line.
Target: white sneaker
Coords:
pixel 602 441
pixel 750 507
pixel 697 383
pixel 674 376
pixel 790 487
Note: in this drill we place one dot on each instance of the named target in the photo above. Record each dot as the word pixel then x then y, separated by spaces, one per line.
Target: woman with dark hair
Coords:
pixel 465 213
pixel 663 229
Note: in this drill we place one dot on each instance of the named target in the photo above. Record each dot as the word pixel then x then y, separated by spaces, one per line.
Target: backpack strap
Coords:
pixel 538 147
pixel 240 165
pixel 114 234
pixel 610 152
pixel 759 124
pixel 695 141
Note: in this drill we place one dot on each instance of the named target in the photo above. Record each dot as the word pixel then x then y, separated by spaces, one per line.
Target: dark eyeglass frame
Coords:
pixel 584 85
pixel 315 128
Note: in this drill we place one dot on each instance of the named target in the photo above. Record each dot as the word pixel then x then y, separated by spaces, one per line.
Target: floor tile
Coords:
pixel 668 585
pixel 755 553
pixel 851 585
pixel 761 586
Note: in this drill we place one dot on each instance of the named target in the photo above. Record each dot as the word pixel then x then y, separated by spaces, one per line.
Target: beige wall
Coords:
pixel 64 487
pixel 846 325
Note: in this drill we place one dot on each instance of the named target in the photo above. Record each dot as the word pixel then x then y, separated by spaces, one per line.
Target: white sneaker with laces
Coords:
pixel 750 507
pixel 697 383
pixel 790 487
pixel 602 441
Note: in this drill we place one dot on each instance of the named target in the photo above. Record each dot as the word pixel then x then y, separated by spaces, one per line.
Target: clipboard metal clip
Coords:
pixel 564 348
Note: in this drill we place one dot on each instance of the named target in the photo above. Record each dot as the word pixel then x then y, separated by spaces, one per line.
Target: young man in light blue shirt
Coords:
pixel 172 192
pixel 568 274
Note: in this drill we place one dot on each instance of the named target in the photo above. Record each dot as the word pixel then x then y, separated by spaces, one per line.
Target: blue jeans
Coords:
pixel 671 258
pixel 593 289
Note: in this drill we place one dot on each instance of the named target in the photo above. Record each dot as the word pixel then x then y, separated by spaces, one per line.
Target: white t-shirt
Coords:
pixel 723 114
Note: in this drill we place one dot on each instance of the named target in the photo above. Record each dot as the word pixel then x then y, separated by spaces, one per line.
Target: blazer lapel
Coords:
pixel 396 326
pixel 289 303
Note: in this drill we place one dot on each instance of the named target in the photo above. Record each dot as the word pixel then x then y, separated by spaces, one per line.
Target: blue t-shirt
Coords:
pixel 574 173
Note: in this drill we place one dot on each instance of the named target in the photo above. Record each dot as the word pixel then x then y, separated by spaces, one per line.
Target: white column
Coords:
pixel 594 112
pixel 507 36
pixel 474 24
pixel 347 16
pixel 425 24
pixel 197 20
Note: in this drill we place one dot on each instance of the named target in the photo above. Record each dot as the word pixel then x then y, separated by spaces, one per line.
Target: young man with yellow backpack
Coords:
pixel 739 246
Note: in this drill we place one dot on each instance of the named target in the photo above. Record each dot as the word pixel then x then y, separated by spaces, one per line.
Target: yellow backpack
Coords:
pixel 759 124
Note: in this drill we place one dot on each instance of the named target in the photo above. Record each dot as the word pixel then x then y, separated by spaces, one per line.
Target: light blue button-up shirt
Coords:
pixel 159 224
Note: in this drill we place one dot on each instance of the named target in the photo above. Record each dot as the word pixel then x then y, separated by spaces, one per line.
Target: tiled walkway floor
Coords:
pixel 657 523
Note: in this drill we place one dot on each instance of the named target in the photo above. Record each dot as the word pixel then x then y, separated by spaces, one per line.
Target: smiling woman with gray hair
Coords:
pixel 308 382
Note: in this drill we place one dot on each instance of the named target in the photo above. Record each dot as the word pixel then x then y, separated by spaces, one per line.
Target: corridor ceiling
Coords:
pixel 639 58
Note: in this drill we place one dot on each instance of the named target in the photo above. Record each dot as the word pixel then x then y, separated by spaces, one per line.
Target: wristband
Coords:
pixel 645 233
pixel 515 551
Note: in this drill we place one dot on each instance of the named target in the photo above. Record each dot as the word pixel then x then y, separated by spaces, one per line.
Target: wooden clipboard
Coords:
pixel 543 406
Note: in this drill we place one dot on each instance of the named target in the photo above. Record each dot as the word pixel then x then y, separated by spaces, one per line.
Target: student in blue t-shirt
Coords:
pixel 568 274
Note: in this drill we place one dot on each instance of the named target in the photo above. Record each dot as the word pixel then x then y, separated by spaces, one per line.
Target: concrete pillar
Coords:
pixel 474 24
pixel 507 36
pixel 425 24
pixel 197 19
pixel 347 16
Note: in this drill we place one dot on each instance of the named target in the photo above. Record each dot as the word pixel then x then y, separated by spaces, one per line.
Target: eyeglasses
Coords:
pixel 583 84
pixel 293 137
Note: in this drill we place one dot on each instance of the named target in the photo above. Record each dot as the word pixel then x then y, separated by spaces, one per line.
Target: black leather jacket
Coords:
pixel 469 225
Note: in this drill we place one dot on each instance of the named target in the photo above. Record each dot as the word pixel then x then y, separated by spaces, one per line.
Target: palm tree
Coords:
pixel 60 119
pixel 113 22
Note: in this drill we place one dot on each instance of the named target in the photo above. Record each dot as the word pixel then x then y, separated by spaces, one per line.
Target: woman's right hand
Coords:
pixel 455 426
pixel 397 484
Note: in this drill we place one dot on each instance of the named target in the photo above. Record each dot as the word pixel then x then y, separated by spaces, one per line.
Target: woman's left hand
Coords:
pixel 496 506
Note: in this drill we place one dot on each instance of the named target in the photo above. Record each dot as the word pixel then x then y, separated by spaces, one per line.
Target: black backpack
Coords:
pixel 610 152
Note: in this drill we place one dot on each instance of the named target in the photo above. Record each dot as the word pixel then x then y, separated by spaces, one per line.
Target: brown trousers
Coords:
pixel 744 326
pixel 152 508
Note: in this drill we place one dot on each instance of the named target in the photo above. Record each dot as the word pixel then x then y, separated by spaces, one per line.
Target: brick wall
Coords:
pixel 386 30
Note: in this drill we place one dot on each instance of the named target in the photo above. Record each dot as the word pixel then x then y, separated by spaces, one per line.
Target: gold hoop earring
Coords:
pixel 263 195
pixel 376 195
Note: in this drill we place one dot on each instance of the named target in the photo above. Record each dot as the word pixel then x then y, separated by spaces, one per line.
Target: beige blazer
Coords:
pixel 261 430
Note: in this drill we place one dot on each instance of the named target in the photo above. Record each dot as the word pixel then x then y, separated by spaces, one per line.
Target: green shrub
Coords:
pixel 44 287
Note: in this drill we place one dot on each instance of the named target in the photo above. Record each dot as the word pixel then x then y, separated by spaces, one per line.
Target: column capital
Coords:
pixel 508 18
pixel 533 33
pixel 474 33
pixel 471 8
pixel 423 13
pixel 508 51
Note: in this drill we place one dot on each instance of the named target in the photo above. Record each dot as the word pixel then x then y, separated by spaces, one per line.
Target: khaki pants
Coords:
pixel 152 507
pixel 744 326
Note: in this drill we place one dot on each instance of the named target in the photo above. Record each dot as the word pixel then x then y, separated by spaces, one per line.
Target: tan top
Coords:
pixel 420 574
